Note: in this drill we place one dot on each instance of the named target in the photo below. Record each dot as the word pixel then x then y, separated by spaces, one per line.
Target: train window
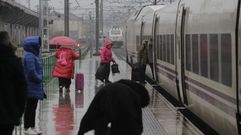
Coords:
pixel 172 49
pixel 164 48
pixel 214 60
pixel 168 48
pixel 195 54
pixel 226 59
pixel 161 47
pixel 188 53
pixel 204 54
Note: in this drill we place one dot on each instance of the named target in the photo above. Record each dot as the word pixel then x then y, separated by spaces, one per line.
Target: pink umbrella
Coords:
pixel 62 40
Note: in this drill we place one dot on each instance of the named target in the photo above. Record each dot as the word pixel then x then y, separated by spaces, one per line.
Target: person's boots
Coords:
pixel 67 90
pixel 60 89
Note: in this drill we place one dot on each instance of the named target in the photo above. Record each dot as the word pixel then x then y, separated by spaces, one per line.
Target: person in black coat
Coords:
pixel 116 110
pixel 13 86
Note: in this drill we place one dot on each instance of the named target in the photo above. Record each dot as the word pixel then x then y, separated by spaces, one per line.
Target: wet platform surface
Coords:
pixel 61 113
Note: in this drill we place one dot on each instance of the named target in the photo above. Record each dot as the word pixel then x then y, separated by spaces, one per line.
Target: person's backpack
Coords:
pixel 62 58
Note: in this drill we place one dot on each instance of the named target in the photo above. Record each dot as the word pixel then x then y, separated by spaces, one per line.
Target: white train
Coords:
pixel 116 35
pixel 196 55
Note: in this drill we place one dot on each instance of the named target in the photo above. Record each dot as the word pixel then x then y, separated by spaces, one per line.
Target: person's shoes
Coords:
pixel 67 90
pixel 32 131
pixel 37 130
pixel 60 89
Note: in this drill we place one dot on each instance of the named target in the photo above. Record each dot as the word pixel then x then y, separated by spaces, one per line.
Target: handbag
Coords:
pixel 115 68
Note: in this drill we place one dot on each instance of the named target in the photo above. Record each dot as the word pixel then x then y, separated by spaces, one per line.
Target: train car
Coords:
pixel 139 28
pixel 116 35
pixel 196 57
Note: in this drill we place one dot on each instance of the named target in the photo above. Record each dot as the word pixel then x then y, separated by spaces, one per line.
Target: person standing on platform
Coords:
pixel 64 67
pixel 116 110
pixel 106 58
pixel 150 56
pixel 13 86
pixel 34 76
pixel 143 59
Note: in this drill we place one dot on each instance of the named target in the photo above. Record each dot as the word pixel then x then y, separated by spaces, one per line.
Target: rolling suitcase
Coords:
pixel 79 81
pixel 138 72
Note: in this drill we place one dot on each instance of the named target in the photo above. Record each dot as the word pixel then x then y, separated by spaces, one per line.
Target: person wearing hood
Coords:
pixel 64 67
pixel 13 86
pixel 106 58
pixel 116 110
pixel 34 76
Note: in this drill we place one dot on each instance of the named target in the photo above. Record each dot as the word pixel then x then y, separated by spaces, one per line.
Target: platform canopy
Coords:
pixel 14 13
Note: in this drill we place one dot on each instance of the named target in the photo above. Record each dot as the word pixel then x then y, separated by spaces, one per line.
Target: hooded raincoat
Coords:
pixel 33 67
pixel 65 70
pixel 106 53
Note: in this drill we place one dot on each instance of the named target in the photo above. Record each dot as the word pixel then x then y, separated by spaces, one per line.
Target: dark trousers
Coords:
pixel 6 129
pixel 152 69
pixel 64 82
pixel 107 70
pixel 30 113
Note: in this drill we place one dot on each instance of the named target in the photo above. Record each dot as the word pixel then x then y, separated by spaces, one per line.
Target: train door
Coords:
pixel 154 48
pixel 141 33
pixel 180 68
pixel 238 65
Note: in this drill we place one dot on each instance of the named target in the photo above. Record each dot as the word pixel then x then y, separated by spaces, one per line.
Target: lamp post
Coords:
pixel 66 17
pixel 97 28
pixel 90 34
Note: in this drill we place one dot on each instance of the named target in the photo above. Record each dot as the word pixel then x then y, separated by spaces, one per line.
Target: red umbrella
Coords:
pixel 62 40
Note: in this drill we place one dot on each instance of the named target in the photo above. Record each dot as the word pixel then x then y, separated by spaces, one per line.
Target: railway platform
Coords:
pixel 61 113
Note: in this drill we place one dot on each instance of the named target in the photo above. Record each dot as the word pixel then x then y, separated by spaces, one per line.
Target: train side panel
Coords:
pixel 210 62
pixel 165 48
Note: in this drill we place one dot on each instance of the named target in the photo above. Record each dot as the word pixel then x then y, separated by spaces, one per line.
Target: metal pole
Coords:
pixel 101 16
pixel 97 27
pixel 40 18
pixel 66 17
pixel 90 35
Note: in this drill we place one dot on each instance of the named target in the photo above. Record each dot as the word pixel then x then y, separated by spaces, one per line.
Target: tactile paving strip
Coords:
pixel 151 124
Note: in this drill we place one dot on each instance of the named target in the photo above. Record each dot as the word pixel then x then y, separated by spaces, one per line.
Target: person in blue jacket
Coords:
pixel 34 77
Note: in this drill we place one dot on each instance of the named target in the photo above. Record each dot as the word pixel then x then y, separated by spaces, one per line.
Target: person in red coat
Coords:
pixel 64 67
pixel 106 58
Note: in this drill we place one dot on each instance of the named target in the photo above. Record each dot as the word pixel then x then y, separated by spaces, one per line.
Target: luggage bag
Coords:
pixel 138 72
pixel 79 81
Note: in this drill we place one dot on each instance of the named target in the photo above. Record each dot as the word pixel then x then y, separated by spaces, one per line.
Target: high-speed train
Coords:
pixel 196 56
pixel 116 35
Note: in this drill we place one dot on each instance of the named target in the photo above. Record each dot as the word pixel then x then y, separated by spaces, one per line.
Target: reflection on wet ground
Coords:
pixel 61 113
